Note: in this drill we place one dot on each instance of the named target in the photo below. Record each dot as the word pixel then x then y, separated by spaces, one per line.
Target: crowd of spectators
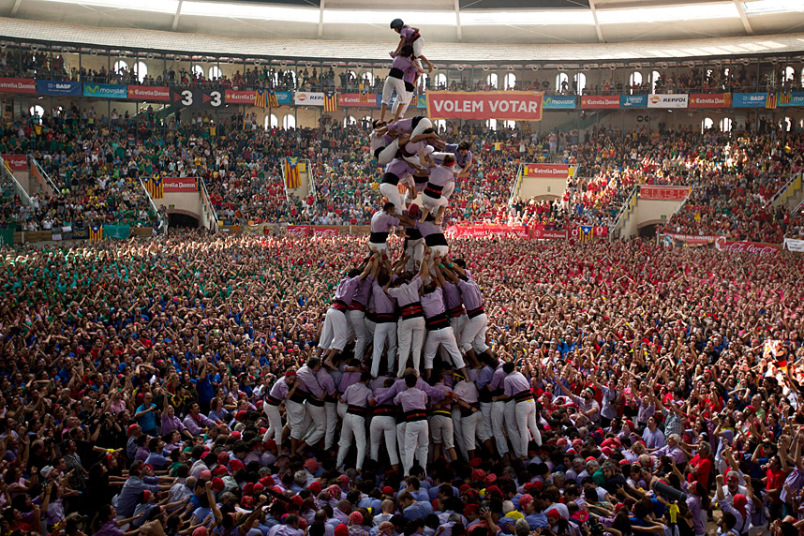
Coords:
pixel 134 374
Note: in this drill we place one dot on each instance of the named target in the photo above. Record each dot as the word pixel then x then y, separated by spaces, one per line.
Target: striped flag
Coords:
pixel 586 233
pixel 292 177
pixel 273 102
pixel 770 102
pixel 156 187
pixel 330 101
pixel 260 100
pixel 784 97
pixel 95 233
pixel 364 97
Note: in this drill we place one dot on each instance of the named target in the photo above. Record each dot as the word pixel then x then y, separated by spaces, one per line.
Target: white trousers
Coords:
pixel 457 427
pixel 423 124
pixel 335 331
pixel 384 336
pixel 442 338
pixel 383 426
pixel 457 323
pixel 353 430
pixel 470 427
pixel 388 154
pixel 415 254
pixel 357 321
pixel 394 85
pixel 318 425
pixel 391 192
pixel 298 419
pixel 331 412
pixel 417 442
pixel 442 431
pixel 446 193
pixel 497 423
pixel 485 426
pixel 433 204
pixel 274 423
pixel 473 335
pixel 512 430
pixel 527 425
pixel 400 439
pixel 410 336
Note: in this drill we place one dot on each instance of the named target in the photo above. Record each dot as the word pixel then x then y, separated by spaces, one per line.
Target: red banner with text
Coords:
pixel 173 185
pixel 17 85
pixel 234 96
pixel 600 101
pixel 663 193
pixel 710 100
pixel 483 230
pixel 16 162
pixel 313 230
pixel 755 248
pixel 149 93
pixel 503 105
pixel 547 171
pixel 537 233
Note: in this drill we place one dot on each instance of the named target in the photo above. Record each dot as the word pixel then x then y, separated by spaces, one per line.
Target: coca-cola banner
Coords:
pixel 179 185
pixel 485 230
pixel 663 193
pixel 547 171
pixel 503 105
pixel 755 248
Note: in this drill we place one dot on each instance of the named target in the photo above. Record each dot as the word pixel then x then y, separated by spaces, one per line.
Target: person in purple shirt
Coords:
pixel 357 398
pixel 330 405
pixel 410 36
pixel 384 425
pixel 314 404
pixel 275 398
pixel 473 337
pixel 385 318
pixel 410 329
pixel 414 408
pixel 335 332
pixel 434 238
pixel 516 388
pixel 389 183
pixel 439 330
pixel 382 223
pixel 394 82
pixel 432 198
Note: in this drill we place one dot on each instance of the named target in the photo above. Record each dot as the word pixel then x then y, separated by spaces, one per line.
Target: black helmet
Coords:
pixel 397 24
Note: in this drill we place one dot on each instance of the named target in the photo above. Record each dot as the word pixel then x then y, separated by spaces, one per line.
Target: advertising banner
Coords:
pixel 485 230
pixel 792 244
pixel 7 234
pixel 749 100
pixel 789 98
pixel 668 101
pixel 299 230
pixel 105 91
pixel 172 185
pixel 663 193
pixel 543 234
pixel 265 229
pixel 120 232
pixel 559 102
pixel 756 248
pixel 672 239
pixel 710 100
pixel 149 93
pixel 304 98
pixel 16 162
pixel 56 88
pixel 600 101
pixel 17 85
pixel 234 96
pixel 547 171
pixel 503 105
pixel 365 100
pixel 633 101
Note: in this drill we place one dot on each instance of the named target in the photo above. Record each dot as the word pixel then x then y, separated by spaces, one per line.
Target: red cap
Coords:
pixel 248 489
pixel 356 518
pixel 220 471
pixel 478 474
pixel 132 428
pixel 267 481
pixel 490 479
pixel 290 374
pixel 315 487
pixel 236 434
pixel 146 495
pixel 217 484
pixel 387 490
pixel 236 465
pixel 341 530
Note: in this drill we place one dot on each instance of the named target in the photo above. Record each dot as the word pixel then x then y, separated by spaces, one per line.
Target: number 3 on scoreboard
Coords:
pixel 187 97
pixel 216 99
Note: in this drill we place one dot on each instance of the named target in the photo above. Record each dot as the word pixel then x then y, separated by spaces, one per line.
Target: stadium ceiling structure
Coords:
pixel 459 30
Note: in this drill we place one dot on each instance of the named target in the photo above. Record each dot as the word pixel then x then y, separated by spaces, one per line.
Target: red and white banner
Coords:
pixel 16 162
pixel 312 230
pixel 366 100
pixel 503 105
pixel 671 100
pixel 298 230
pixel 663 193
pixel 710 100
pixel 149 93
pixel 547 171
pixel 668 239
pixel 482 230
pixel 600 101
pixel 756 248
pixel 233 96
pixel 543 234
pixel 173 185
pixel 17 85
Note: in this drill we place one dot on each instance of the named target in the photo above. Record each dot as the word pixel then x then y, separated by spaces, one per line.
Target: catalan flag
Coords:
pixel 156 187
pixel 330 101
pixel 260 98
pixel 273 102
pixel 364 96
pixel 770 102
pixel 292 177
pixel 586 233
pixel 784 98
pixel 95 233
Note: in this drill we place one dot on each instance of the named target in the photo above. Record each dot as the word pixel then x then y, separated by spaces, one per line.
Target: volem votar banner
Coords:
pixel 502 105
